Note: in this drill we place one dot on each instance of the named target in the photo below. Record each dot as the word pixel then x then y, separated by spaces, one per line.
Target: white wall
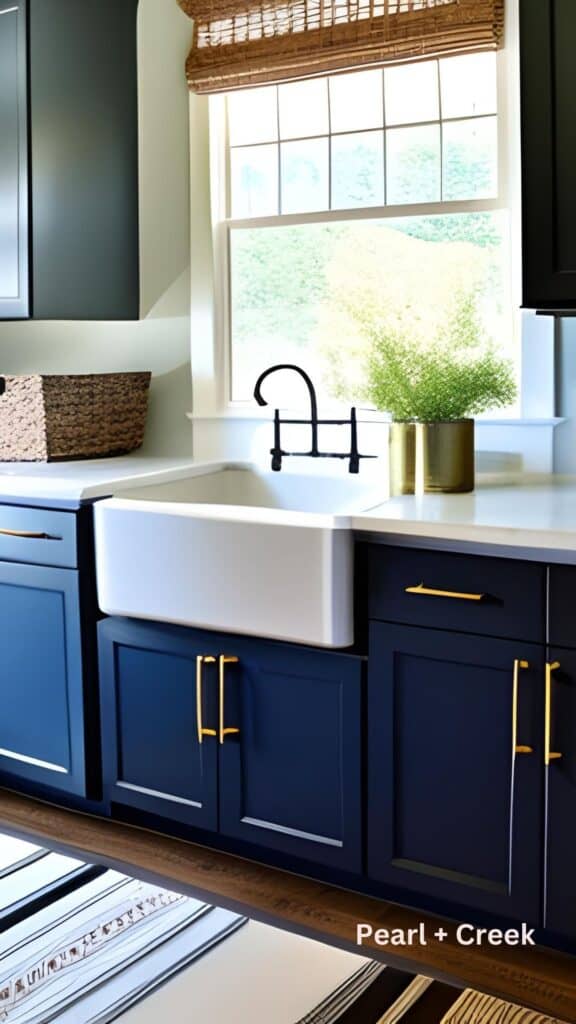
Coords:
pixel 161 340
pixel 566 394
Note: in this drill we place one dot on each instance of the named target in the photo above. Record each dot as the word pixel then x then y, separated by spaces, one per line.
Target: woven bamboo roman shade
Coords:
pixel 248 42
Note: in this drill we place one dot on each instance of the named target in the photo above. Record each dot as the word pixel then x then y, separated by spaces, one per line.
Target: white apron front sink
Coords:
pixel 236 549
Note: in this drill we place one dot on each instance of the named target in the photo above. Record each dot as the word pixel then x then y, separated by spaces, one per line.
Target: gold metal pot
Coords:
pixel 402 457
pixel 432 458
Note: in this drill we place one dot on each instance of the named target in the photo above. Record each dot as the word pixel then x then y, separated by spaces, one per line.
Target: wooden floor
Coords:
pixel 535 978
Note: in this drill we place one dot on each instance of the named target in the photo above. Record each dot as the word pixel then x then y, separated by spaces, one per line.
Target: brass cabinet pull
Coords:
pixel 516 748
pixel 201 660
pixel 28 535
pixel 223 731
pixel 549 755
pixel 430 592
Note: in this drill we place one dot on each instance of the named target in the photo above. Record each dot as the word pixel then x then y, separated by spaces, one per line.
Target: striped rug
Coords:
pixel 476 1008
pixel 381 995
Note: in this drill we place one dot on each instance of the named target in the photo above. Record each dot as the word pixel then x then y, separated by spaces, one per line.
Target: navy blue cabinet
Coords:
pixel 158 698
pixel 291 778
pixel 279 762
pixel 455 767
pixel 42 725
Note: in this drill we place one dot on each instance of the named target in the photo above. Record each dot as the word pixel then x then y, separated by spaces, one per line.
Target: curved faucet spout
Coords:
pixel 305 378
pixel 278 453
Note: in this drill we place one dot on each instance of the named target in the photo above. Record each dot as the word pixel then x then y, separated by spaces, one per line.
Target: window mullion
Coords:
pixel 279 150
pixel 385 131
pixel 441 129
pixel 371 213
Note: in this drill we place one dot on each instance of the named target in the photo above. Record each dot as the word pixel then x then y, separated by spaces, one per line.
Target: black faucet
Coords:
pixel 278 453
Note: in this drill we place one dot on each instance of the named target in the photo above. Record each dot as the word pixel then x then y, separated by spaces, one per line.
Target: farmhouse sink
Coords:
pixel 234 548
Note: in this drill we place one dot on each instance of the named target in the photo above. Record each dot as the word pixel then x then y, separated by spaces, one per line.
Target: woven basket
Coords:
pixel 44 418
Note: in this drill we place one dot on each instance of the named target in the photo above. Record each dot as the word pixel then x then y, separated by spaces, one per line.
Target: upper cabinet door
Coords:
pixel 154 704
pixel 13 162
pixel 69 239
pixel 290 771
pixel 548 87
pixel 84 148
pixel 455 768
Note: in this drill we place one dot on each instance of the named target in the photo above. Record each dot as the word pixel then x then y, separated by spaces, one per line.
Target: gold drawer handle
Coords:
pixel 201 660
pixel 28 535
pixel 549 755
pixel 429 592
pixel 223 731
pixel 516 748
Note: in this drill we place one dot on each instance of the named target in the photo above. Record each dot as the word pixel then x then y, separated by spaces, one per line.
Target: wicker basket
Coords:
pixel 44 418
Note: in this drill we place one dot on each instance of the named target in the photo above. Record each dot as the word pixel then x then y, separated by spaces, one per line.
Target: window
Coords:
pixel 377 194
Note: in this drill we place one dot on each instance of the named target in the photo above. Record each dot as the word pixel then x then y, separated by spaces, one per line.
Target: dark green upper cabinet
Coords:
pixel 69 160
pixel 14 299
pixel 548 87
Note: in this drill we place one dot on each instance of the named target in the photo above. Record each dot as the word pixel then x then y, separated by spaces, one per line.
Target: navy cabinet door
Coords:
pixel 13 161
pixel 454 811
pixel 290 778
pixel 560 848
pixel 41 682
pixel 152 757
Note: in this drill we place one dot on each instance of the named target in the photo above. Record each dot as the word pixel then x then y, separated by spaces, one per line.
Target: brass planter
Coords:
pixel 432 458
pixel 402 457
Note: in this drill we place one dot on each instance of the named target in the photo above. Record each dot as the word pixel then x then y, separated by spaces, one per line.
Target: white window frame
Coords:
pixel 211 321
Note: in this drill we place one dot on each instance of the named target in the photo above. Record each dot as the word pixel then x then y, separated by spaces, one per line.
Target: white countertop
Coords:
pixel 511 511
pixel 89 478
pixel 528 512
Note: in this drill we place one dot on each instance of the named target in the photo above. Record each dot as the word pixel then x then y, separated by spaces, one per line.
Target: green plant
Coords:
pixel 458 373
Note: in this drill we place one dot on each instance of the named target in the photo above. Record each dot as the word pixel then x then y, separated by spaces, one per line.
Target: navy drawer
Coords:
pixel 38 536
pixel 469 593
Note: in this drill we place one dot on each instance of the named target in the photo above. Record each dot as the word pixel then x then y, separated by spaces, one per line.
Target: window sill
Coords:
pixel 364 416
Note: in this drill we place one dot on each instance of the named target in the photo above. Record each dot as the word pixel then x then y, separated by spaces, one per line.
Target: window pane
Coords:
pixel 296 289
pixel 254 181
pixel 468 85
pixel 411 92
pixel 278 281
pixel 356 101
pixel 470 159
pixel 303 109
pixel 357 170
pixel 413 165
pixel 304 176
pixel 253 116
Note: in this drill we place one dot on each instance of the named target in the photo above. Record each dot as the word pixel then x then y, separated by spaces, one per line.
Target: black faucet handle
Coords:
pixel 276 451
